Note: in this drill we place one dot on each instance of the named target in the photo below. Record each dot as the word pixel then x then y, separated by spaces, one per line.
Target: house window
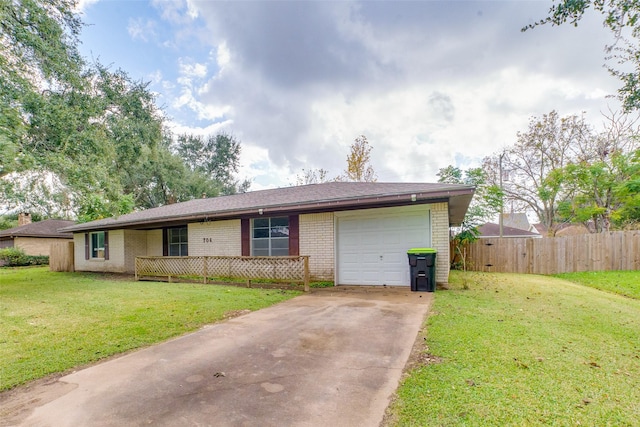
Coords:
pixel 97 249
pixel 270 237
pixel 177 241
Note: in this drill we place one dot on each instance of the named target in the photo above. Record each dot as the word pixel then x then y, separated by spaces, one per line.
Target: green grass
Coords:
pixel 525 350
pixel 625 283
pixel 51 322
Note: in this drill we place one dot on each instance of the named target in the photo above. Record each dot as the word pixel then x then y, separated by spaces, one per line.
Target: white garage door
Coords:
pixel 372 245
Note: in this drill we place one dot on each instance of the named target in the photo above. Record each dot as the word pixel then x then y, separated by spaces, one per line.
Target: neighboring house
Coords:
pixel 518 220
pixel 491 230
pixel 354 233
pixel 35 238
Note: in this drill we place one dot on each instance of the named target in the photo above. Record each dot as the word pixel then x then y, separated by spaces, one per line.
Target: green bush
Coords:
pixel 15 257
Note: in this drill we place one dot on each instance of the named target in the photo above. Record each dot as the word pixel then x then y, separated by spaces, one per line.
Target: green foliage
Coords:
pixel 38 51
pixel 95 207
pixel 524 350
pixel 15 257
pixel 622 18
pixel 487 199
pixel 599 191
pixel 628 193
pixel 81 139
pixel 63 320
pixel 216 157
pixel 8 221
pixel 564 171
pixel 549 144
pixel 461 242
pixel 486 202
pixel 324 284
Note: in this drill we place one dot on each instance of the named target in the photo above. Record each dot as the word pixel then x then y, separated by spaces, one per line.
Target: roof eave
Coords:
pixel 462 196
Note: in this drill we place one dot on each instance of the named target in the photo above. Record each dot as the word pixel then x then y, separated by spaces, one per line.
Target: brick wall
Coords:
pixel 154 243
pixel 36 245
pixel 316 240
pixel 216 238
pixel 135 244
pixel 440 239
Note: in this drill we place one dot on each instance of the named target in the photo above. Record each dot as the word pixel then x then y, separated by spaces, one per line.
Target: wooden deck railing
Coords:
pixel 286 268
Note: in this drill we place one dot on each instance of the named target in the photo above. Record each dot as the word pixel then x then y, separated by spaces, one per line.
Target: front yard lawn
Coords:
pixel 51 322
pixel 508 349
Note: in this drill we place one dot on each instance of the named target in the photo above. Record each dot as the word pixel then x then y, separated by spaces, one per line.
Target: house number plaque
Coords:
pixel 207 240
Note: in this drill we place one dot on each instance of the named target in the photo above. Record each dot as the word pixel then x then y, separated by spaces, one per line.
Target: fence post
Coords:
pixel 204 268
pixel 136 269
pixel 306 273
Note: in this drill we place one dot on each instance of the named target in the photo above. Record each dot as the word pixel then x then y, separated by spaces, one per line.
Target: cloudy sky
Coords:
pixel 430 83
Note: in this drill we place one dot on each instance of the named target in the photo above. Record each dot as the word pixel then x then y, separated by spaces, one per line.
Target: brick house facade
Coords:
pixel 318 221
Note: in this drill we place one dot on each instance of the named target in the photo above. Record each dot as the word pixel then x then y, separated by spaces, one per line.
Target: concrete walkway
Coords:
pixel 330 358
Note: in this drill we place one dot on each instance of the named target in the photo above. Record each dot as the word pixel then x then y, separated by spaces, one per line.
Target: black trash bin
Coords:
pixel 422 268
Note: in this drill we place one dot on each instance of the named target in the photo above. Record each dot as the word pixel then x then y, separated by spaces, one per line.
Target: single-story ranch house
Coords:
pixel 355 233
pixel 35 238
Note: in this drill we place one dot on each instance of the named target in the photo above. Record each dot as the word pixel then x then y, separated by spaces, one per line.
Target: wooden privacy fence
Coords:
pixel 61 256
pixel 618 250
pixel 286 268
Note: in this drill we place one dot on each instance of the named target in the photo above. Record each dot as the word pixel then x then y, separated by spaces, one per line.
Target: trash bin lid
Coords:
pixel 417 251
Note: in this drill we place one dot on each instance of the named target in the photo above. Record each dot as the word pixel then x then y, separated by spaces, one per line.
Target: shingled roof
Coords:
pixel 46 228
pixel 332 196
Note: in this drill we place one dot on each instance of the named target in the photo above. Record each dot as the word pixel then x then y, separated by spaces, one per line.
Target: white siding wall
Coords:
pixel 440 239
pixel 317 241
pixel 216 238
pixel 116 261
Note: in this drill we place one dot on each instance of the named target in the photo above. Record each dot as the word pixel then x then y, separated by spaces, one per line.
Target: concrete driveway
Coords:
pixel 330 358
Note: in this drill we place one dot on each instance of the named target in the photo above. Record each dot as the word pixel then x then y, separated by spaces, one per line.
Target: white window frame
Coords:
pixel 272 247
pixel 96 251
pixel 181 243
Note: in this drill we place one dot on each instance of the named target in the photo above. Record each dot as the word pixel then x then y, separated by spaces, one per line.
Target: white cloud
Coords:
pixel 155 77
pixel 191 82
pixel 212 129
pixel 176 11
pixel 191 69
pixel 82 5
pixel 429 83
pixel 142 29
pixel 223 55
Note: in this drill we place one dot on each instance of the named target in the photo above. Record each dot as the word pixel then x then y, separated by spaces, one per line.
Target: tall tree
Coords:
pixel 79 139
pixel 359 168
pixel 565 171
pixel 593 192
pixel 38 52
pixel 622 17
pixel 594 183
pixel 550 143
pixel 216 156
